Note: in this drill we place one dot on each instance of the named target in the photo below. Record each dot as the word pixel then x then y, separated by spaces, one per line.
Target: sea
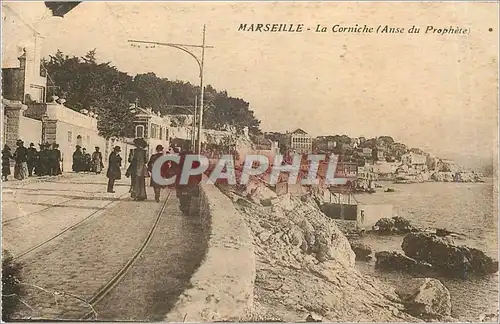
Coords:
pixel 465 208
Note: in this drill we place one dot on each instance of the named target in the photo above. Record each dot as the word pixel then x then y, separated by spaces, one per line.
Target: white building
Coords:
pixel 23 79
pixel 300 142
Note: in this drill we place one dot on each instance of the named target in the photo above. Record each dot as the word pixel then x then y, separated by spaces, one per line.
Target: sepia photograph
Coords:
pixel 260 161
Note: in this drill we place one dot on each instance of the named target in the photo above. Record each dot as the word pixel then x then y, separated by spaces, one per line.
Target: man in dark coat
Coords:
pixel 44 159
pixel 156 187
pixel 114 172
pixel 32 157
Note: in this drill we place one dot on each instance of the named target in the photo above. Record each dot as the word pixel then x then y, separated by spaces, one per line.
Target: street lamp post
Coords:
pixel 200 61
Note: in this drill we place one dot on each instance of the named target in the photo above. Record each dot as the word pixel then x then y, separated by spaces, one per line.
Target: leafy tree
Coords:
pixel 102 88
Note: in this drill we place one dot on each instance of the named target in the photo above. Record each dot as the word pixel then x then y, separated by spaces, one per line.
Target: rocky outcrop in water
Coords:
pixel 426 298
pixel 456 177
pixel 400 262
pixel 394 225
pixel 452 260
pixel 363 252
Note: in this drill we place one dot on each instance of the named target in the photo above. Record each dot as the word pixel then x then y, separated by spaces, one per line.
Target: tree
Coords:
pixel 100 88
pixel 86 84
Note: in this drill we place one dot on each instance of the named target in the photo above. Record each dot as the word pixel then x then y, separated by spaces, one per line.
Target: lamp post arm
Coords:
pixel 179 47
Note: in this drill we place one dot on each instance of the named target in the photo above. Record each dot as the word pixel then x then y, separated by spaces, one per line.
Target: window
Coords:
pixel 139 131
pixel 154 131
pixel 70 137
pixel 79 140
pixel 161 133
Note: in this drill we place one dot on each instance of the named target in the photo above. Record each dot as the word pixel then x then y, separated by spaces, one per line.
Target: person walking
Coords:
pixel 114 172
pixel 97 165
pixel 21 158
pixel 156 187
pixel 32 156
pixel 6 157
pixel 140 170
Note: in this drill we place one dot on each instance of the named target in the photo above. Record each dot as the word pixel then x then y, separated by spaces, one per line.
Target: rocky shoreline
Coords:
pixel 306 266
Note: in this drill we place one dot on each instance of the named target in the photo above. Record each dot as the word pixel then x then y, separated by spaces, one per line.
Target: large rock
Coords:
pixel 456 261
pixel 397 261
pixel 261 195
pixel 394 225
pixel 363 252
pixel 426 298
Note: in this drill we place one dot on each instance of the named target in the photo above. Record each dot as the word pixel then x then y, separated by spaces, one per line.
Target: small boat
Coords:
pixel 389 190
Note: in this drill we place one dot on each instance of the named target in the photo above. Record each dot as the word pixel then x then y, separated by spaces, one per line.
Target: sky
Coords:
pixel 435 92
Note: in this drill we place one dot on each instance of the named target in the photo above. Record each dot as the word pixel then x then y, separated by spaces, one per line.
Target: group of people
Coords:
pixel 84 162
pixel 30 161
pixel 141 167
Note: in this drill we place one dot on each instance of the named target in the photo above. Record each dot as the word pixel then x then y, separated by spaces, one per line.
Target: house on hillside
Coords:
pixel 417 162
pixel 300 142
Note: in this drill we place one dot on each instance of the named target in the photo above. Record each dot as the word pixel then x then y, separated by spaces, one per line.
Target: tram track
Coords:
pixel 75 225
pixel 59 204
pixel 116 279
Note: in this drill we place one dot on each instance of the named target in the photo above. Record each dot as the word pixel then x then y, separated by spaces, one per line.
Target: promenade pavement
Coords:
pixel 72 237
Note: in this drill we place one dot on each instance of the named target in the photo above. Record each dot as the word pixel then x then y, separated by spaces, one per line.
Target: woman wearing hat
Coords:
pixel 114 172
pixel 97 161
pixel 21 158
pixel 156 187
pixel 140 169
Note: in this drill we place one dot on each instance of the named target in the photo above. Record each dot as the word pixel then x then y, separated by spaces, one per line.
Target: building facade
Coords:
pixel 300 142
pixel 23 77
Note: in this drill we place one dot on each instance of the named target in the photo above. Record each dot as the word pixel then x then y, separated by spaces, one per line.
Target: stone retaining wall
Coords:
pixel 222 287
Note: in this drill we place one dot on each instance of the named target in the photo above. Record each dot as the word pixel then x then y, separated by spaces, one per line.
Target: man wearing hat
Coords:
pixel 114 172
pixel 157 188
pixel 139 160
pixel 32 156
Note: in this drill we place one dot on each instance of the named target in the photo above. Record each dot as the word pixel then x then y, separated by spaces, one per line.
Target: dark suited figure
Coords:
pixel 32 157
pixel 114 165
pixel 130 173
pixel 44 159
pixel 55 160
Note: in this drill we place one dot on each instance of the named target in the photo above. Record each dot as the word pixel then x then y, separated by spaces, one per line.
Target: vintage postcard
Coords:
pixel 250 161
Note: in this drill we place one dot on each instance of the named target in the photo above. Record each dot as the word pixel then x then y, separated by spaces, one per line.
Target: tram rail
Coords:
pixel 116 279
pixel 75 225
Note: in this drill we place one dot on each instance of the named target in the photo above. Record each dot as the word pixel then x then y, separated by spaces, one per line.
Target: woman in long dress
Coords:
pixel 6 157
pixel 78 159
pixel 156 187
pixel 97 164
pixel 21 158
pixel 139 160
